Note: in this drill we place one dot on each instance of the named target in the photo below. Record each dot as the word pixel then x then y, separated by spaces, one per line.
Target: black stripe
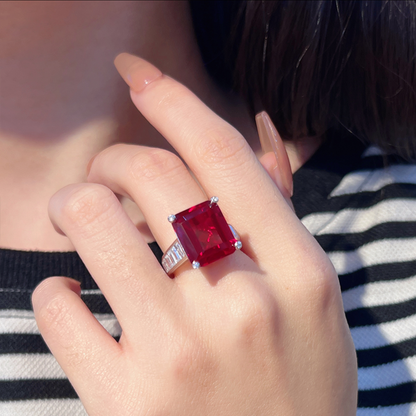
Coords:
pixel 390 396
pixel 32 344
pixel 378 273
pixel 22 343
pixel 36 389
pixel 381 161
pixel 363 200
pixel 386 354
pixel 368 199
pixel 26 269
pixel 21 300
pixel 96 303
pixel 16 300
pixel 380 314
pixel 56 389
pixel 350 242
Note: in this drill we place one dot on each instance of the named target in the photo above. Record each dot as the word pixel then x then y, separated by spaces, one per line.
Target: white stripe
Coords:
pixel 373 180
pixel 29 366
pixel 372 151
pixel 83 291
pixel 18 326
pixel 378 252
pixel 23 322
pixel 315 222
pixel 91 292
pixel 56 407
pixel 387 375
pixel 15 313
pixel 374 336
pixel 359 220
pixel 408 409
pixel 379 293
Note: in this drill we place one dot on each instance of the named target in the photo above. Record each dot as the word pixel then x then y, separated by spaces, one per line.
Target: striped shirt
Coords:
pixel 361 207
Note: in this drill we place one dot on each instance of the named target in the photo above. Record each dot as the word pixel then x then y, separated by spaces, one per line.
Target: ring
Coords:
pixel 203 236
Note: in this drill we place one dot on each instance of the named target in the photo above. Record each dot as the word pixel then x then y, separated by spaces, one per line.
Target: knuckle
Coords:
pixel 106 155
pixel 113 149
pixel 325 288
pixel 256 316
pixel 318 284
pixel 191 362
pixel 89 204
pixel 218 145
pixel 153 164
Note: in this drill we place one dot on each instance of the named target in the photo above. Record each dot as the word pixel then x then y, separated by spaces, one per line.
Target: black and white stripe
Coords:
pixel 31 381
pixel 361 207
pixel 373 248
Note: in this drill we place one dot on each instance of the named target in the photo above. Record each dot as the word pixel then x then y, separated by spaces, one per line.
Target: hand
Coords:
pixel 259 332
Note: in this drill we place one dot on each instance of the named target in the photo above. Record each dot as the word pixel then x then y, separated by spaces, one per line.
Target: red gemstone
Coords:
pixel 204 233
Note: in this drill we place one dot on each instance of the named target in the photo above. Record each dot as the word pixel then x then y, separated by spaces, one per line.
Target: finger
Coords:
pixel 156 179
pixel 224 165
pixel 82 347
pixel 114 252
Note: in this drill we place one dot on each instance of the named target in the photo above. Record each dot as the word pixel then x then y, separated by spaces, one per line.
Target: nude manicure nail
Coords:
pixel 136 71
pixel 270 140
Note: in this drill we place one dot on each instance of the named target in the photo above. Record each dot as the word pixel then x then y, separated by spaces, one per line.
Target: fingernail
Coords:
pixel 270 140
pixel 90 164
pixel 136 71
pixel 74 285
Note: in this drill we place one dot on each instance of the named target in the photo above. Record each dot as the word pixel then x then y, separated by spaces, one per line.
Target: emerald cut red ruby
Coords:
pixel 204 233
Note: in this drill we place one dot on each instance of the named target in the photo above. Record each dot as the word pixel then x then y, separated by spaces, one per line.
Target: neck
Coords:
pixel 63 101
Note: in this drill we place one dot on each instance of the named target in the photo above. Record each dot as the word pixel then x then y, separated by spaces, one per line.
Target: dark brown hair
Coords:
pixel 331 64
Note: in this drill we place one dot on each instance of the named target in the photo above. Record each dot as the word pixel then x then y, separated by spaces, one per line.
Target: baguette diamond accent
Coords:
pixel 174 256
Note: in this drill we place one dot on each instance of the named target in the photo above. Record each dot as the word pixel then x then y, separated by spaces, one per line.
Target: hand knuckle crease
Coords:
pixel 219 145
pixel 151 165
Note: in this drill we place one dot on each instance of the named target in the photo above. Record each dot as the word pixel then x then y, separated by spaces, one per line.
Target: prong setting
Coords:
pixel 213 200
pixel 196 228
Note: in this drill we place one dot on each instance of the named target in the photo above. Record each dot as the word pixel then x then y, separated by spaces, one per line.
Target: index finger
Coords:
pixel 221 160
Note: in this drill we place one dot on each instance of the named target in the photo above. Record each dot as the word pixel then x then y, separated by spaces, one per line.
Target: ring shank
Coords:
pixel 174 257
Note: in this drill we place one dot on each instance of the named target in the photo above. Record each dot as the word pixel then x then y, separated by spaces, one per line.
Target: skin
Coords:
pixel 261 331
pixel 228 339
pixel 57 106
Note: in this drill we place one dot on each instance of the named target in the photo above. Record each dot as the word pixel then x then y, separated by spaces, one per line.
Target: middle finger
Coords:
pixel 221 160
